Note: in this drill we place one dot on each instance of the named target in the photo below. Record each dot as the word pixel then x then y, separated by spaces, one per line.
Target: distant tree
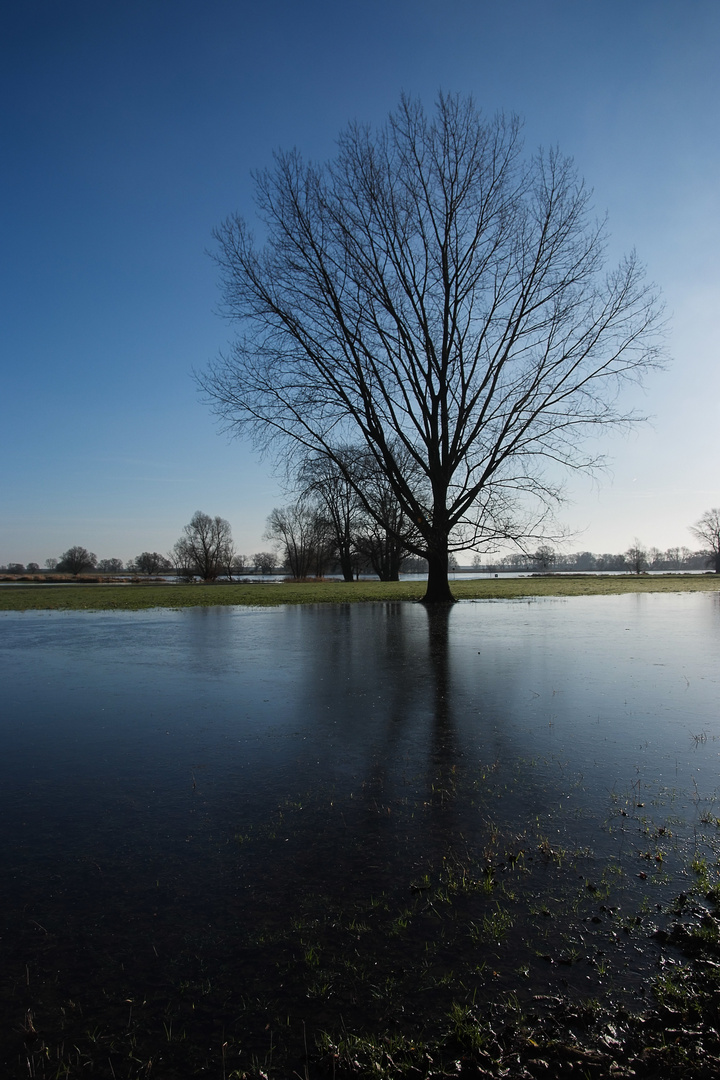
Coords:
pixel 609 561
pixel 656 558
pixel 228 566
pixel 544 558
pixel 240 565
pixel 151 562
pixel 264 561
pixel 636 557
pixel 707 531
pixel 672 559
pixel 584 560
pixel 15 568
pixel 329 482
pixel 516 560
pixel 77 559
pixel 51 564
pixel 110 566
pixel 33 567
pixel 688 558
pixel 384 533
pixel 304 537
pixel 413 564
pixel 381 545
pixel 362 514
pixel 205 547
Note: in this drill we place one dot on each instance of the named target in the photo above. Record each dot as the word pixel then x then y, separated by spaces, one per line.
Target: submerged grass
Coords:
pixel 493 954
pixel 137 597
pixel 311 999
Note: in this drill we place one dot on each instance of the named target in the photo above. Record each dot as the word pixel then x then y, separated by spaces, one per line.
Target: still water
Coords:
pixel 199 808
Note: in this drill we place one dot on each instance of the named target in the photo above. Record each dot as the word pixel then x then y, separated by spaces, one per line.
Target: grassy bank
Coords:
pixel 79 597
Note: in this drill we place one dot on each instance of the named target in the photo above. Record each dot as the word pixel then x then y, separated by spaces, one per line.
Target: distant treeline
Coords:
pixel 544 559
pixel 636 559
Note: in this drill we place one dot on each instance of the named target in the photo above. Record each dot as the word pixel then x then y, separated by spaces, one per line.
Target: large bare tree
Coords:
pixel 442 299
pixel 707 531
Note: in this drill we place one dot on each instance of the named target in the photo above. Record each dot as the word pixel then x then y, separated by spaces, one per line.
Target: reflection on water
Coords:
pixel 177 787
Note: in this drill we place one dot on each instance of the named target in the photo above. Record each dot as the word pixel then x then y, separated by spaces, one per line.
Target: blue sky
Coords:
pixel 129 130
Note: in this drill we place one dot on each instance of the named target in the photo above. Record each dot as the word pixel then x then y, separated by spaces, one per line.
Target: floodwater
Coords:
pixel 215 817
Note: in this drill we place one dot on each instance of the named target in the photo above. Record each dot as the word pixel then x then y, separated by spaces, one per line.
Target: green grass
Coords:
pixel 42 597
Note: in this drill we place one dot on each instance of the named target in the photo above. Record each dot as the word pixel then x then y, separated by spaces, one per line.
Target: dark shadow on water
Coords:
pixel 443 758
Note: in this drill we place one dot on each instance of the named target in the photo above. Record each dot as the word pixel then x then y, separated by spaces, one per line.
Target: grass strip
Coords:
pixel 138 597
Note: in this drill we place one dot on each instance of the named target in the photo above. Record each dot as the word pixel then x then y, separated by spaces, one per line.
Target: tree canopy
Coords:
pixel 442 299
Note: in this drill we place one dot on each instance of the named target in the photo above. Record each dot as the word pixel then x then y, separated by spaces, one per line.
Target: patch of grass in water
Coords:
pixel 421 1017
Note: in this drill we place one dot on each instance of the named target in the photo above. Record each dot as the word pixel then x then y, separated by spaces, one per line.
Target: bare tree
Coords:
pixel 707 531
pixel 362 513
pixel 264 561
pixel 51 564
pixel 152 562
pixel 384 533
pixel 304 538
pixel 205 547
pixel 655 558
pixel 76 559
pixel 441 299
pixel 583 560
pixel 636 557
pixel 379 547
pixel 240 565
pixel 110 566
pixel 544 558
pixel 328 481
pixel 516 560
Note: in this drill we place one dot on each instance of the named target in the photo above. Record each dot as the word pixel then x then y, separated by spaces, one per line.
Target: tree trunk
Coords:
pixel 346 566
pixel 438 586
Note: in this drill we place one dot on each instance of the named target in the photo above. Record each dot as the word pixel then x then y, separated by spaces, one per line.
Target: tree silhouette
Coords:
pixel 439 298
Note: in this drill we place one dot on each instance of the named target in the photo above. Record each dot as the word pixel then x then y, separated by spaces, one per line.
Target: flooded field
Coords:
pixel 270 840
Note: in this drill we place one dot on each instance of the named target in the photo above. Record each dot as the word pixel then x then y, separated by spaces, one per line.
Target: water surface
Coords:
pixel 199 808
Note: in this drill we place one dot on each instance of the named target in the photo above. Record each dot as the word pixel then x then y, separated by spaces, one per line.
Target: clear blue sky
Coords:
pixel 129 130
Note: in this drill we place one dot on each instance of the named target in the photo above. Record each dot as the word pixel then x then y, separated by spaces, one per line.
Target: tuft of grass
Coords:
pixel 465 1028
